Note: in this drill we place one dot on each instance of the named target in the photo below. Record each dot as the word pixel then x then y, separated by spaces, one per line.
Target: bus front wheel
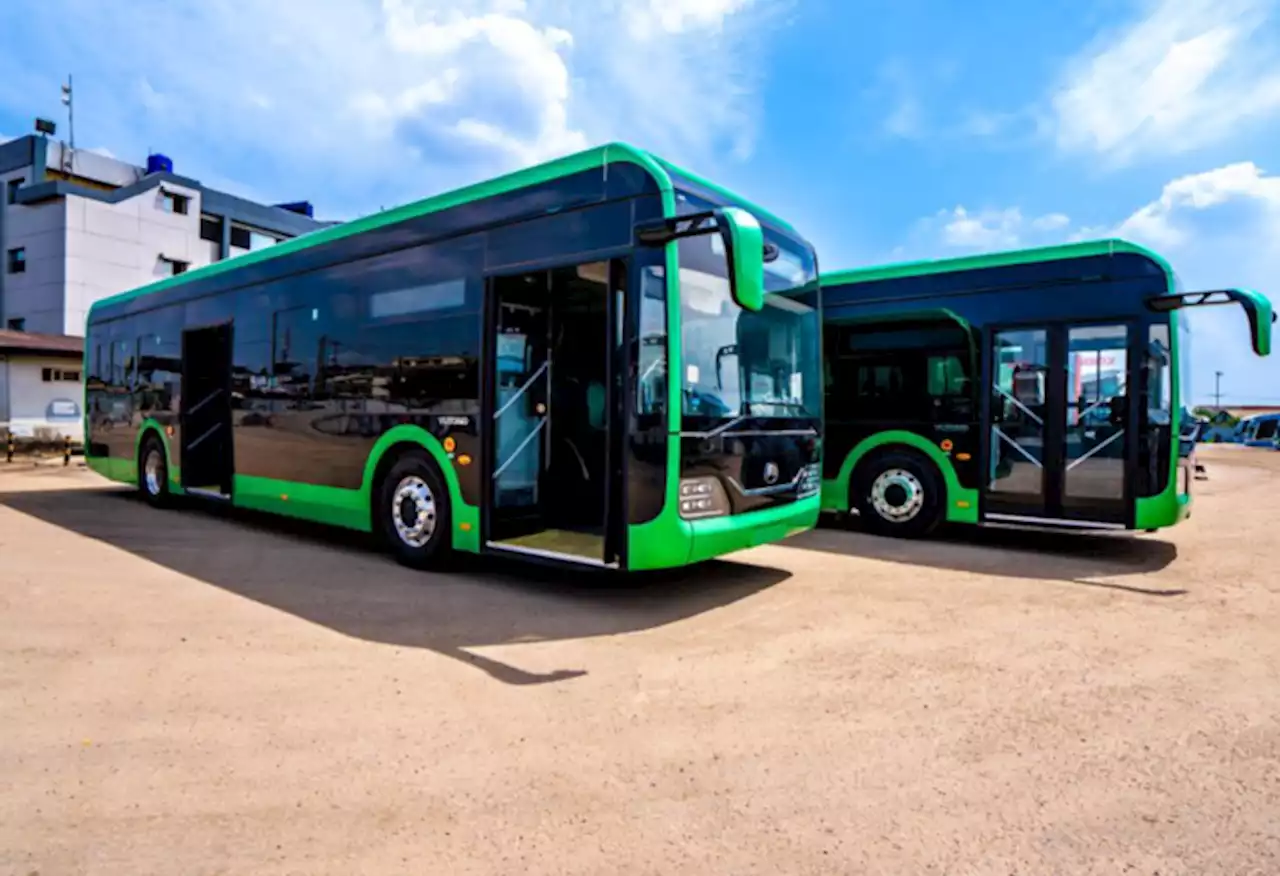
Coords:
pixel 153 473
pixel 412 512
pixel 898 493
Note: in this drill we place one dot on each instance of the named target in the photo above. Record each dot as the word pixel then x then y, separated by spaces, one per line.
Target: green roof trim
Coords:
pixel 1108 246
pixel 725 193
pixel 598 157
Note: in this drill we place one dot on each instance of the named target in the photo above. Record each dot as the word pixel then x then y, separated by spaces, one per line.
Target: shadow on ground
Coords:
pixel 338 580
pixel 1051 556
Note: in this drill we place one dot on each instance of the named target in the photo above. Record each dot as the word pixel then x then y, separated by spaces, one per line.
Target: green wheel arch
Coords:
pixel 961 503
pixel 466 518
pixel 151 427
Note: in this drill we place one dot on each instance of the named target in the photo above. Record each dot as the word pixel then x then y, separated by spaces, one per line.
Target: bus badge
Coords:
pixel 771 473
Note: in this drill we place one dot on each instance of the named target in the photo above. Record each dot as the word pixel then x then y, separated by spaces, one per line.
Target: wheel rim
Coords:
pixel 413 508
pixel 897 495
pixel 153 472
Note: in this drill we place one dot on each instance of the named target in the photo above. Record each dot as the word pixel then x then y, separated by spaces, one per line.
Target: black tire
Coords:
pixel 899 493
pixel 413 492
pixel 153 473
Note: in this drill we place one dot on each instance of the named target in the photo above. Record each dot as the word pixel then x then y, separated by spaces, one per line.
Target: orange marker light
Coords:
pixel 946 445
pixel 464 460
pixel 465 527
pixel 964 457
pixel 168 430
pixel 449 444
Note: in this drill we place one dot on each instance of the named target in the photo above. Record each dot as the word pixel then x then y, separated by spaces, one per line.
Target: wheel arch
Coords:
pixel 150 427
pixel 393 444
pixel 960 503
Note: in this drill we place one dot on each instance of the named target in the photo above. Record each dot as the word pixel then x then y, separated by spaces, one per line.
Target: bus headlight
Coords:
pixel 810 481
pixel 702 497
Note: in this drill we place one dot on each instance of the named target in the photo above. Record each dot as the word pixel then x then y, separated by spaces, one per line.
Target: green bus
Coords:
pixel 603 360
pixel 1039 388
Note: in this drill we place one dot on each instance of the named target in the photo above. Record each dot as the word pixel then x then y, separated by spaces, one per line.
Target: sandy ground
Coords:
pixel 183 693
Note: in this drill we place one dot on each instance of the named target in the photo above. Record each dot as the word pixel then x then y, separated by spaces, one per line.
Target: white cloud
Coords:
pixel 656 17
pixel 1164 221
pixel 357 104
pixel 1188 74
pixel 963 230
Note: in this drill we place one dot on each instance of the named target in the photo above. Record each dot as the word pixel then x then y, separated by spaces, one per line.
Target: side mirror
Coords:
pixel 744 247
pixel 1257 308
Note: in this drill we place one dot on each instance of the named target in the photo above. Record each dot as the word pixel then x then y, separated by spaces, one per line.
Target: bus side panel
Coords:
pixel 908 376
pixel 327 363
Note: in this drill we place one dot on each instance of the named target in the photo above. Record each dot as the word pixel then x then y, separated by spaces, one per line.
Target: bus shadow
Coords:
pixel 337 579
pixel 1078 558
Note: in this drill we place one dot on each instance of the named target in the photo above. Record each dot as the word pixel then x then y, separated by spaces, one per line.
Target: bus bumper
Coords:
pixel 721 535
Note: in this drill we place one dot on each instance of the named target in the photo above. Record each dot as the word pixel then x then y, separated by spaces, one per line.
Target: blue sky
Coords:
pixel 885 129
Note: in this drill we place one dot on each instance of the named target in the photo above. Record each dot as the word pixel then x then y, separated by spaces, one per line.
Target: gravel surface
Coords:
pixel 191 693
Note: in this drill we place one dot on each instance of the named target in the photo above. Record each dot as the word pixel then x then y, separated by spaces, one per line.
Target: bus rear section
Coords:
pixel 602 361
pixel 1037 388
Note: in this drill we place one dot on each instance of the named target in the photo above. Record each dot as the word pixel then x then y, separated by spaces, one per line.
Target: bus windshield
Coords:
pixel 741 363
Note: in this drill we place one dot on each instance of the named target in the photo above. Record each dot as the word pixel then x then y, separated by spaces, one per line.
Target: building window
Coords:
pixel 17 261
pixel 243 237
pixel 11 190
pixel 172 202
pixel 18 324
pixel 175 266
pixel 211 228
pixel 58 375
pixel 258 240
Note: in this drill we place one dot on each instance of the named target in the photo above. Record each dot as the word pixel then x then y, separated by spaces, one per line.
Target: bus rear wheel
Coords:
pixel 899 494
pixel 411 511
pixel 153 473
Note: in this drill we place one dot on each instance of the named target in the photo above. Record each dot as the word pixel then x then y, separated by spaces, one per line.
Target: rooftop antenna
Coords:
pixel 68 100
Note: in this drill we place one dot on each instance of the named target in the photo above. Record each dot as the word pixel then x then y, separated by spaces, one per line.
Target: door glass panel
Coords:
pixel 522 374
pixel 1096 412
pixel 1019 372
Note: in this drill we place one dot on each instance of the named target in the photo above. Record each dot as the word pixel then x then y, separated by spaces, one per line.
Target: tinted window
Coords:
pixel 913 372
pixel 159 378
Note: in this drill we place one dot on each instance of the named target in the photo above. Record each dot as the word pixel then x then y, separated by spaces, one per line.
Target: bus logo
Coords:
pixel 771 473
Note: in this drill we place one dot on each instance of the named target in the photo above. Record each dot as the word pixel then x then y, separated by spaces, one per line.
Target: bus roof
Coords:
pixel 1084 249
pixel 598 157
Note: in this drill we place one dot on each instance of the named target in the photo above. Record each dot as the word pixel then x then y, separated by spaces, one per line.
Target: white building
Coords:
pixel 41 386
pixel 76 228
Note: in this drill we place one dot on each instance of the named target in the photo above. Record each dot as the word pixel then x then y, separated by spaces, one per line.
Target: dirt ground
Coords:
pixel 189 693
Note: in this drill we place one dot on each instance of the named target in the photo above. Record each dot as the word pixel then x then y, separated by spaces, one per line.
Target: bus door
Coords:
pixel 1060 448
pixel 554 466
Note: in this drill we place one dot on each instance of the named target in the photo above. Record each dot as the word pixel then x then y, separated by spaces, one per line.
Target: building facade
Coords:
pixel 76 228
pixel 40 386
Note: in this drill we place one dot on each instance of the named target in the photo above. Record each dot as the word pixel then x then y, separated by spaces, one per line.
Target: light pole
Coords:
pixel 1217 390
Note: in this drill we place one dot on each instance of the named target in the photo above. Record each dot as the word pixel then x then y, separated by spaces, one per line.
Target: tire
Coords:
pixel 412 513
pixel 899 494
pixel 153 473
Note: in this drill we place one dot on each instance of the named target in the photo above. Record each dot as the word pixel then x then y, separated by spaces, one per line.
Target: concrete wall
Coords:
pixel 112 248
pixel 90 165
pixel 37 294
pixel 34 405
